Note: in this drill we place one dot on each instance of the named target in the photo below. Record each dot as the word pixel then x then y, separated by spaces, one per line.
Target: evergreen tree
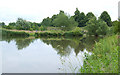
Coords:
pixel 80 18
pixel 89 15
pixel 106 17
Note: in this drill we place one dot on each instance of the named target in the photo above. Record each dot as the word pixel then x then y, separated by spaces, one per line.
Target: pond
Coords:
pixel 45 55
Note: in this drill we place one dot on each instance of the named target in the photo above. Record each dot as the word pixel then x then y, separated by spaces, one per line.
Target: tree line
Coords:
pixel 66 22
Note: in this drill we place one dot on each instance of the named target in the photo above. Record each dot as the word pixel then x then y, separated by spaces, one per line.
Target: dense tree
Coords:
pixel 64 22
pixel 106 17
pixel 35 26
pixel 96 27
pixel 12 25
pixel 77 14
pixel 89 15
pixel 46 22
pixel 23 24
pixel 80 18
pixel 2 23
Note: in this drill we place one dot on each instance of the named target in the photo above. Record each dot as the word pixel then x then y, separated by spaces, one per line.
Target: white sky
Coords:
pixel 36 10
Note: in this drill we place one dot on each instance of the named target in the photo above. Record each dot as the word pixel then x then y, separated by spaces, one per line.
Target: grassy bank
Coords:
pixel 13 33
pixel 47 33
pixel 104 58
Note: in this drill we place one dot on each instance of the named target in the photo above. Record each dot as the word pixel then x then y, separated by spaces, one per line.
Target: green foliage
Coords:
pixel 42 28
pixel 116 26
pixel 47 34
pixel 89 15
pixel 72 33
pixel 22 24
pixel 96 27
pixel 106 17
pixel 46 22
pixel 77 14
pixel 11 25
pixel 80 18
pixel 35 26
pixel 104 58
pixel 76 32
pixel 2 23
pixel 65 22
pixel 31 29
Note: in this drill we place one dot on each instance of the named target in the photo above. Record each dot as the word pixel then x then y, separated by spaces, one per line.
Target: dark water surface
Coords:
pixel 44 55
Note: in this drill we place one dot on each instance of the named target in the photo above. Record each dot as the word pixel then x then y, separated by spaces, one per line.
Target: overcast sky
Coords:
pixel 36 10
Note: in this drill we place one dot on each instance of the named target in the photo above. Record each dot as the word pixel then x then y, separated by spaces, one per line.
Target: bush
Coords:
pixel 104 58
pixel 76 32
pixel 116 26
pixel 96 27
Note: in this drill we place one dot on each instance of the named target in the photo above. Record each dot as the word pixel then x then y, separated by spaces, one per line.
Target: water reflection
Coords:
pixel 40 55
pixel 63 46
pixel 21 42
pixel 73 63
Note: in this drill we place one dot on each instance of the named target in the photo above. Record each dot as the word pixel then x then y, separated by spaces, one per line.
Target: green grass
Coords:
pixel 104 58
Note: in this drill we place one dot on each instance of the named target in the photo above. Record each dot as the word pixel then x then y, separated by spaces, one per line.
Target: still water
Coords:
pixel 45 55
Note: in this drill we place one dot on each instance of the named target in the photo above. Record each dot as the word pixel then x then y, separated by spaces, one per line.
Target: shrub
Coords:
pixel 96 27
pixel 104 58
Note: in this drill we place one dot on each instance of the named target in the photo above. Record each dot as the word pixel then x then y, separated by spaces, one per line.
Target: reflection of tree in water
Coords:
pixel 7 39
pixel 21 42
pixel 64 46
pixel 61 46
pixel 90 41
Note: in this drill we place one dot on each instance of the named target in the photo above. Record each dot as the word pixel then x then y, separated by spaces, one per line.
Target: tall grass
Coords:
pixel 104 58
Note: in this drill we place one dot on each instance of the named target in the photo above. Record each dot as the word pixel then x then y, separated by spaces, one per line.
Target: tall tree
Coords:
pixel 106 17
pixel 46 22
pixel 64 22
pixel 77 14
pixel 23 24
pixel 89 15
pixel 80 18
